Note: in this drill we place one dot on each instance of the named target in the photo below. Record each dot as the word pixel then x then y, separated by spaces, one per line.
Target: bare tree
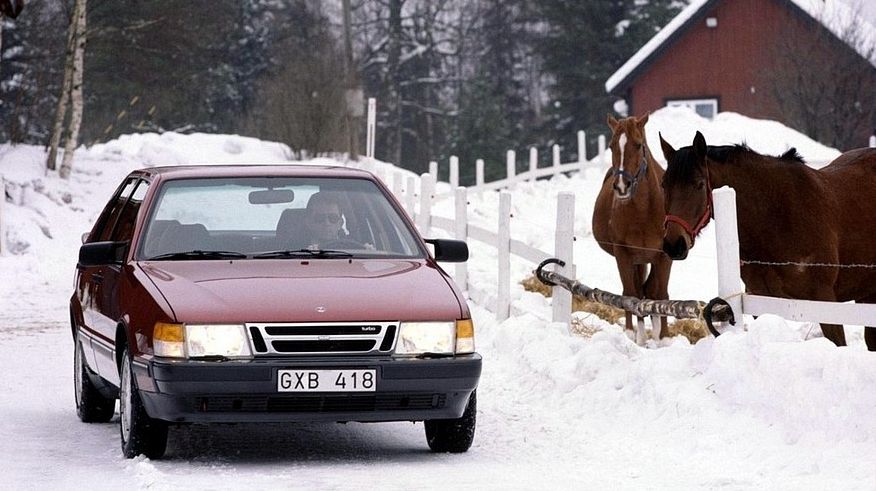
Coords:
pixel 75 91
pixel 825 84
pixel 64 97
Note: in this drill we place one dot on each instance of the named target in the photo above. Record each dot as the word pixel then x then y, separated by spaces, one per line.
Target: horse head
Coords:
pixel 11 8
pixel 687 196
pixel 629 154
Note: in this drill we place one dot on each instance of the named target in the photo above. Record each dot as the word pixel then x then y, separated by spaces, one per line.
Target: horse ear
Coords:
pixel 699 145
pixel 640 122
pixel 668 151
pixel 612 123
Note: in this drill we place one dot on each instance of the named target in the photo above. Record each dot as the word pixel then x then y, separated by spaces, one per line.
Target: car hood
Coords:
pixel 315 290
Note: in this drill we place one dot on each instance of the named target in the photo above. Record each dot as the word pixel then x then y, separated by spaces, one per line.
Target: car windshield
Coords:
pixel 280 217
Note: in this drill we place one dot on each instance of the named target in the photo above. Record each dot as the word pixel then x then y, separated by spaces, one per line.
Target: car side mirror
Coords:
pixel 100 253
pixel 85 236
pixel 450 251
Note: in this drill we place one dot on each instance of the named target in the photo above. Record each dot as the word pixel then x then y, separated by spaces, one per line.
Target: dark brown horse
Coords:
pixel 11 8
pixel 803 233
pixel 628 218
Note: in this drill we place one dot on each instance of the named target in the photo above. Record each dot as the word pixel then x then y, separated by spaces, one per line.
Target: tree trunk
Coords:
pixel 394 73
pixel 75 92
pixel 64 97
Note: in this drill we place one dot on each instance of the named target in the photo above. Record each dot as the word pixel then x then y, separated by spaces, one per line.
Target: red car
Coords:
pixel 268 293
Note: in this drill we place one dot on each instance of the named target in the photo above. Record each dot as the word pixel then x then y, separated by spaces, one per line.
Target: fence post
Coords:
pixel 370 127
pixel 454 172
pixel 424 217
pixel 479 172
pixel 556 155
pixel 582 149
pixel 460 225
pixel 411 195
pixel 873 141
pixel 511 166
pixel 563 244
pixel 503 290
pixel 533 163
pixel 727 240
pixel 433 170
pixel 601 141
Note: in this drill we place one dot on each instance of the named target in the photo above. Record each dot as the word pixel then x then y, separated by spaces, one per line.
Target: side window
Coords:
pixel 107 219
pixel 124 229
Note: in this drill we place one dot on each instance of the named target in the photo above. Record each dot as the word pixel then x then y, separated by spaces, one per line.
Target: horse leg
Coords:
pixel 631 280
pixel 869 331
pixel 657 288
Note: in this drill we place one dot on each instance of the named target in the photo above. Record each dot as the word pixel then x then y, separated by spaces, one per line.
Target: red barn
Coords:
pixel 723 55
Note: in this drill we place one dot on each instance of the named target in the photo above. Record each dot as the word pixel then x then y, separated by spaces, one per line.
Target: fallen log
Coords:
pixel 716 310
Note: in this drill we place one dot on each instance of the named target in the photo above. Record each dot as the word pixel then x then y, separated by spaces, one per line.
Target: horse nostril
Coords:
pixel 675 250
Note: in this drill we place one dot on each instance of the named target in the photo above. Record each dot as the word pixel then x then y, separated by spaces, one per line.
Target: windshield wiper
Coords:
pixel 199 254
pixel 317 253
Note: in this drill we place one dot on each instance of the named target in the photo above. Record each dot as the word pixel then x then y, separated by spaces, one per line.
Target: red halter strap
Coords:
pixel 692 232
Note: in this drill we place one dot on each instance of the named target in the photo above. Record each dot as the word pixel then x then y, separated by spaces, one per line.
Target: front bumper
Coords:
pixel 246 391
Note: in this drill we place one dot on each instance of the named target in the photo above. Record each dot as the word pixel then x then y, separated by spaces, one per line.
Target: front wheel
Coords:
pixel 91 405
pixel 140 433
pixel 453 435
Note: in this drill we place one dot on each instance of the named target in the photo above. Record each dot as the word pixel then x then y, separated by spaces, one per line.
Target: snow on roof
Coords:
pixel 834 15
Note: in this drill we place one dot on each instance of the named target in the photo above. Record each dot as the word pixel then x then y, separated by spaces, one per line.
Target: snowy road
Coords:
pixel 45 446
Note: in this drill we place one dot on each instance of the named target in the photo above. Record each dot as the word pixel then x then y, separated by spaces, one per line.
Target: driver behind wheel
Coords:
pixel 322 221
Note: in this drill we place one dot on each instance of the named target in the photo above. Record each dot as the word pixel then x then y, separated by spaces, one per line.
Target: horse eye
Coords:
pixel 638 146
pixel 701 185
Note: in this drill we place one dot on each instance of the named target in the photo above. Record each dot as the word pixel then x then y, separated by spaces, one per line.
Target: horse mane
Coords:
pixel 727 152
pixel 685 163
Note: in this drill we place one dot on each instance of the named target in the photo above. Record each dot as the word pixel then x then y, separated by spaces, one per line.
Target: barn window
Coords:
pixel 706 108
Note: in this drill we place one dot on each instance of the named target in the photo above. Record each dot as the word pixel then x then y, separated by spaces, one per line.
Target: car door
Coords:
pixel 109 300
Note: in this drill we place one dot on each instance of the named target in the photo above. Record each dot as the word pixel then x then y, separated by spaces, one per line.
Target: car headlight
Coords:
pixel 447 338
pixel 199 340
pixel 228 340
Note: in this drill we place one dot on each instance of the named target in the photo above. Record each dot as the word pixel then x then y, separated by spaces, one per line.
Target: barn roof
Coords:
pixel 832 14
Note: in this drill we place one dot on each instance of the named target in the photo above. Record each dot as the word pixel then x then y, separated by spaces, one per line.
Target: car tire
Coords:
pixel 140 434
pixel 453 435
pixel 91 405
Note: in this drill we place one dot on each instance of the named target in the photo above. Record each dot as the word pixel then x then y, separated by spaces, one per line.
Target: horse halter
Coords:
pixel 634 180
pixel 708 214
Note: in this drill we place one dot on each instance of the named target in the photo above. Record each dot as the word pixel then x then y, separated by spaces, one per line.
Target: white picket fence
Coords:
pixel 730 280
pixel 418 195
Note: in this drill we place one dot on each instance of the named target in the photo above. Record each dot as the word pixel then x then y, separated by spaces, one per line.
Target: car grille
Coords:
pixel 321 404
pixel 322 338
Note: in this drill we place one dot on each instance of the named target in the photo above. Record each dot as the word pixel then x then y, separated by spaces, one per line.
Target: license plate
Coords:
pixel 326 380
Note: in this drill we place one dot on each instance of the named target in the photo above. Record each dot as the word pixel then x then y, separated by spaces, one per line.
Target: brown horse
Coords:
pixel 11 8
pixel 803 233
pixel 628 218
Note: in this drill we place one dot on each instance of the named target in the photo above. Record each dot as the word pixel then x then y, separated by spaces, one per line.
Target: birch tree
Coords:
pixel 64 97
pixel 75 90
pixel 71 93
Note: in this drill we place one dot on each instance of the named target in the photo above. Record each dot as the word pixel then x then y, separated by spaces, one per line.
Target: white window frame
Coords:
pixel 694 103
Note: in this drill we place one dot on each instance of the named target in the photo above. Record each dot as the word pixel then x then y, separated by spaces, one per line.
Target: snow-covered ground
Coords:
pixel 771 406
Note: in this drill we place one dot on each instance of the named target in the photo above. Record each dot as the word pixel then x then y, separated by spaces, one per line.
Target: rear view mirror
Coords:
pixel 100 253
pixel 271 196
pixel 450 251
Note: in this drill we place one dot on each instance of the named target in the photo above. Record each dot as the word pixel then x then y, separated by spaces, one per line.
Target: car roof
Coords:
pixel 252 170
